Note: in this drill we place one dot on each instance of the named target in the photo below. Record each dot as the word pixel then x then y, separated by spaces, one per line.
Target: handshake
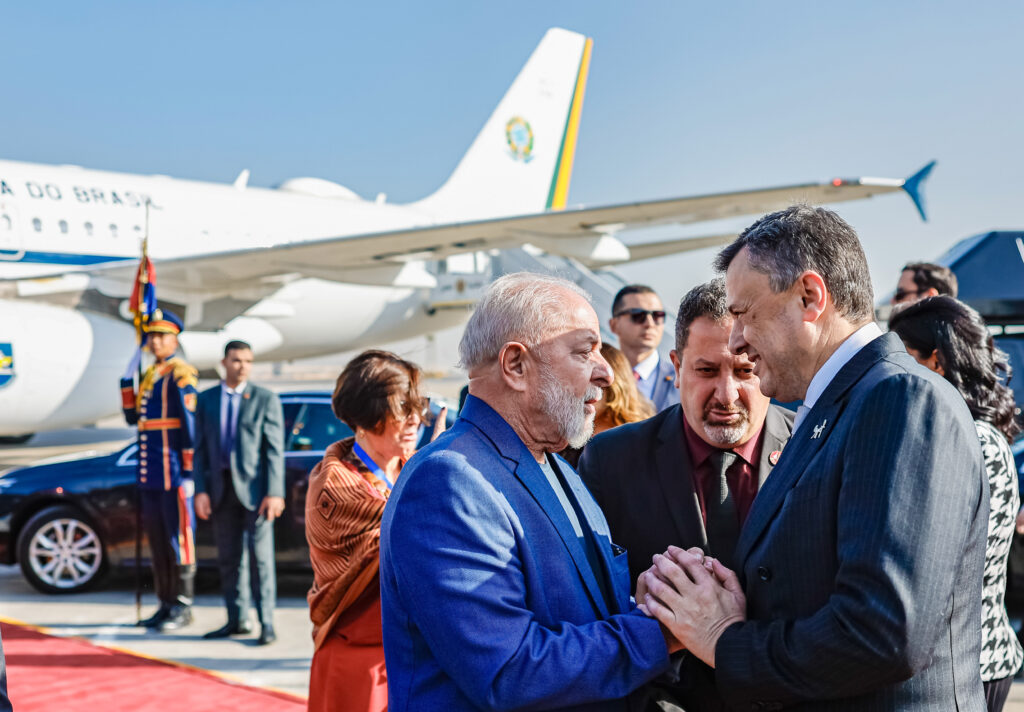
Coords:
pixel 694 597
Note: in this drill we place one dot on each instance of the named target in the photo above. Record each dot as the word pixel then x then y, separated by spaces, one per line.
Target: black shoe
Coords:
pixel 157 618
pixel 267 635
pixel 230 629
pixel 180 616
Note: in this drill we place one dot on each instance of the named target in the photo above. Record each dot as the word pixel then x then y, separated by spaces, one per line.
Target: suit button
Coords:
pixel 764 573
pixel 142 437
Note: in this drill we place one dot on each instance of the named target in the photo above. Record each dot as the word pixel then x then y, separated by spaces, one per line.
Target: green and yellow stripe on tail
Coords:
pixel 559 192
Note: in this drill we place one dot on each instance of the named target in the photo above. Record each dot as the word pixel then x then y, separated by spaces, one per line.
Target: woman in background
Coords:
pixel 951 339
pixel 620 402
pixel 378 396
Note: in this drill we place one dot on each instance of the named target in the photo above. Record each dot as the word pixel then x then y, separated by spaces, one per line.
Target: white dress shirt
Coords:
pixel 839 358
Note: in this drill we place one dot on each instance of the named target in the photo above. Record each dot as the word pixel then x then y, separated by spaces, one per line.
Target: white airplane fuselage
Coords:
pixel 58 219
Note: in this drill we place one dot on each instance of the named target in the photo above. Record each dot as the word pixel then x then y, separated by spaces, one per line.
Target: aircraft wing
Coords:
pixel 389 258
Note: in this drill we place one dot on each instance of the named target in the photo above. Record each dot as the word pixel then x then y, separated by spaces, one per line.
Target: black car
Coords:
pixel 69 523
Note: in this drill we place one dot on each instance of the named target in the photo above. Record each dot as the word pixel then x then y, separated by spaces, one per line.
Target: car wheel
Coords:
pixel 60 551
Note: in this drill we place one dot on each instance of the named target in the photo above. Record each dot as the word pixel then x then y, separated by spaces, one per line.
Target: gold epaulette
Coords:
pixel 184 373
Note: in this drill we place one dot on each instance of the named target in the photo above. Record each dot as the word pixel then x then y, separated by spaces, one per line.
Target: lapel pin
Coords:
pixel 819 429
pixel 246 395
pixel 773 458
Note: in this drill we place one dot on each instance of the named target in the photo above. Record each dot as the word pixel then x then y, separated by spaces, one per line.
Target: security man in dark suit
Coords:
pixel 240 486
pixel 164 409
pixel 688 476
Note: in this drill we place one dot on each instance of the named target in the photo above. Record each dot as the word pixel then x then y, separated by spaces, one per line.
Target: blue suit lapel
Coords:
pixel 806 442
pixel 665 375
pixel 528 472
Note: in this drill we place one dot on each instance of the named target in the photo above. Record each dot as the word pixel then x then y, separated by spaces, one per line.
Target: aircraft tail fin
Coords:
pixel 521 161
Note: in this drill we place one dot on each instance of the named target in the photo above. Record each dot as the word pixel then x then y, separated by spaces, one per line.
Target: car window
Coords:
pixel 315 428
pixel 291 410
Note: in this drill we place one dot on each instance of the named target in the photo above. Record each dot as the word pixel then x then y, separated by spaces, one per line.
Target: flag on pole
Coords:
pixel 143 299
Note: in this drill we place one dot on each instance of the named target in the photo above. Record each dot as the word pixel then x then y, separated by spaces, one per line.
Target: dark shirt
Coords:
pixel 553 473
pixel 742 476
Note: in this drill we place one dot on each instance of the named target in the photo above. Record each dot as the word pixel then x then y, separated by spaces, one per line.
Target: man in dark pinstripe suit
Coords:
pixel 859 568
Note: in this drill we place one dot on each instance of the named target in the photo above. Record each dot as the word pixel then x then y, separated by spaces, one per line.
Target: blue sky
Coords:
pixel 683 98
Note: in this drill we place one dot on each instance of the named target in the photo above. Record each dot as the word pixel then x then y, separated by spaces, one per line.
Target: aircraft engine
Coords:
pixel 59 367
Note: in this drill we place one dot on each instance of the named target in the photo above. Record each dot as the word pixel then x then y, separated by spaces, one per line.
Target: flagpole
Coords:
pixel 144 267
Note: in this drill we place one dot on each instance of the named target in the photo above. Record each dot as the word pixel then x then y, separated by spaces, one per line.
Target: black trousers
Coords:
pixel 996 693
pixel 245 555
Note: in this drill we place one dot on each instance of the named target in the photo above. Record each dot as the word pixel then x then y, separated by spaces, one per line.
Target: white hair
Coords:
pixel 523 307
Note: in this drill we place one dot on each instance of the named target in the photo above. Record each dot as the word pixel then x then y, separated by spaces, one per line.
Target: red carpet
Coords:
pixel 50 674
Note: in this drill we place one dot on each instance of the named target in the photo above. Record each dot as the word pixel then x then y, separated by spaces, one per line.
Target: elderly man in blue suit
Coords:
pixel 860 565
pixel 500 586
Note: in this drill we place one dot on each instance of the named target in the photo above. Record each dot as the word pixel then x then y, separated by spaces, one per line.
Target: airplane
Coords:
pixel 309 267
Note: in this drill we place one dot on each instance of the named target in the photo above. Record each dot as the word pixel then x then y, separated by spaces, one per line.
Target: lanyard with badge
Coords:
pixel 370 464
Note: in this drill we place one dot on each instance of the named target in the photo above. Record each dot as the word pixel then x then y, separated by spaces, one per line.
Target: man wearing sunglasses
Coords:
pixel 919 280
pixel 638 319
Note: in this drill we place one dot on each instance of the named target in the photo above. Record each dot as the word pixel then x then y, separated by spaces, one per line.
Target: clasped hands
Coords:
pixel 694 597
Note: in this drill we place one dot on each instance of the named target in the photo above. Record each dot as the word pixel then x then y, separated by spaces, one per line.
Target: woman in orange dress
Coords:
pixel 378 396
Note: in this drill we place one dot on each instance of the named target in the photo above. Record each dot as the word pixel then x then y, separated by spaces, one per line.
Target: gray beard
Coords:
pixel 566 410
pixel 727 435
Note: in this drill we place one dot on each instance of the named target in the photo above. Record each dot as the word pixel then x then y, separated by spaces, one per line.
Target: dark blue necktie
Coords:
pixel 229 434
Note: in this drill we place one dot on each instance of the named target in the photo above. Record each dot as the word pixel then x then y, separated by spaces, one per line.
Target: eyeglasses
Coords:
pixel 900 294
pixel 639 316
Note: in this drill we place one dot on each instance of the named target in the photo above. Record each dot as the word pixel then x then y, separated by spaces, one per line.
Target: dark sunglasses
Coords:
pixel 639 316
pixel 900 295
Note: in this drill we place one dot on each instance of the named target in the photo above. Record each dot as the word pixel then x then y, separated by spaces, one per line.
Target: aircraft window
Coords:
pixel 6 221
pixel 137 229
pixel 37 224
pixel 113 230
pixel 63 225
pixel 88 229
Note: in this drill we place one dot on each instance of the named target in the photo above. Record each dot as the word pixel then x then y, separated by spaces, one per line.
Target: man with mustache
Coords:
pixel 500 585
pixel 688 476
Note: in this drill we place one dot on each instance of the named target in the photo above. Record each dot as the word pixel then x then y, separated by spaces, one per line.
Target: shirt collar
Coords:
pixel 700 449
pixel 847 350
pixel 645 368
pixel 240 388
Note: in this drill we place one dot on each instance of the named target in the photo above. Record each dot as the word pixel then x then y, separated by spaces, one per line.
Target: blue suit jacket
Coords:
pixel 862 558
pixel 665 394
pixel 488 600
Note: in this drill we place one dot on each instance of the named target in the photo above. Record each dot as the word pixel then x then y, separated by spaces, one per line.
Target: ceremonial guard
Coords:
pixel 164 410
